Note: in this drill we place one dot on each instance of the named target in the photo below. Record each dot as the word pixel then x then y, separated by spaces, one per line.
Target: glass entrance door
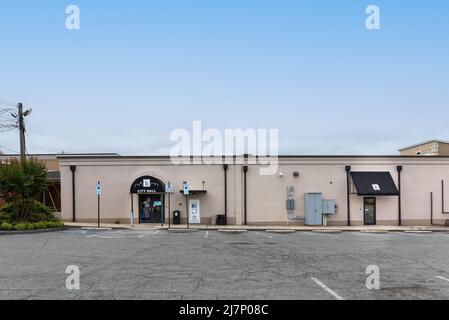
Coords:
pixel 369 216
pixel 151 208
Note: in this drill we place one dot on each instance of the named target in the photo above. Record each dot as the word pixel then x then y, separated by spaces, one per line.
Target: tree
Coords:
pixel 21 182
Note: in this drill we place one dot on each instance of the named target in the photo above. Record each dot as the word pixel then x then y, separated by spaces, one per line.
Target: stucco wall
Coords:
pixel 266 194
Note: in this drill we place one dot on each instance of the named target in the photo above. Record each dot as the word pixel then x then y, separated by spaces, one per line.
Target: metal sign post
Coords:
pixel 169 191
pixel 187 210
pixel 98 189
pixel 186 191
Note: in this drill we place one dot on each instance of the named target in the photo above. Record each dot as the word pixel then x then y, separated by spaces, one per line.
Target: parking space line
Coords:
pixel 104 237
pixel 206 235
pixel 442 278
pixel 329 290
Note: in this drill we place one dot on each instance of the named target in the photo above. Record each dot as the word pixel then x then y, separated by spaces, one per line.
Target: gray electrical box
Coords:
pixel 290 204
pixel 313 209
pixel 328 207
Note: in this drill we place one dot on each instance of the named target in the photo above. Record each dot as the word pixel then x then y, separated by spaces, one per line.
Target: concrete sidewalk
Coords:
pixel 261 228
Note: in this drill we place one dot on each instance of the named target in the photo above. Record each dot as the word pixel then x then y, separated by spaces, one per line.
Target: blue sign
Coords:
pixel 185 188
pixel 98 189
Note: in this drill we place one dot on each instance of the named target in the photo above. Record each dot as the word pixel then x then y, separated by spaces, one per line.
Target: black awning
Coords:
pixel 374 183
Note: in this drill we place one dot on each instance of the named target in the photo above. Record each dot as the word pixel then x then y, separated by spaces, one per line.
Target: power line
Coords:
pixel 3 101
pixel 13 119
pixel 9 149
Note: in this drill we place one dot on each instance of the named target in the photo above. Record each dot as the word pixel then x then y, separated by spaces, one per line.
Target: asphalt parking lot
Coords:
pixel 123 264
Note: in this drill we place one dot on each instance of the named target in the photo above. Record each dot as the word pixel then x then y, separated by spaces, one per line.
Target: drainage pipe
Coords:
pixel 225 169
pixel 399 168
pixel 73 169
pixel 442 198
pixel 245 171
pixel 348 200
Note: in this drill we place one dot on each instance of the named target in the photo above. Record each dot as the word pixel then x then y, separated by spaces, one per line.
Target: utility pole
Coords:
pixel 21 131
pixel 21 124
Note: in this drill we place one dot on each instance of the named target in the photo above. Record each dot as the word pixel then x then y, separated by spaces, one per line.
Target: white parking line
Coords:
pixel 104 237
pixel 329 290
pixel 442 278
pixel 206 235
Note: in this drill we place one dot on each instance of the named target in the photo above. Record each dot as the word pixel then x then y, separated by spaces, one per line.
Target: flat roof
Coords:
pixel 57 155
pixel 69 157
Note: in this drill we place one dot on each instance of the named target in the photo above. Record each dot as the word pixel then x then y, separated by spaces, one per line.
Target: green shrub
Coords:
pixel 21 182
pixel 55 224
pixel 38 212
pixel 40 225
pixel 6 226
pixel 21 226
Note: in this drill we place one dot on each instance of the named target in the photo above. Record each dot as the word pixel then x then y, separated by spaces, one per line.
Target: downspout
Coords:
pixel 73 169
pixel 225 168
pixel 442 198
pixel 431 213
pixel 245 170
pixel 431 208
pixel 399 168
pixel 348 191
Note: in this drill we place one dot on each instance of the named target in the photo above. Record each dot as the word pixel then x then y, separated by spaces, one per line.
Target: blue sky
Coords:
pixel 137 70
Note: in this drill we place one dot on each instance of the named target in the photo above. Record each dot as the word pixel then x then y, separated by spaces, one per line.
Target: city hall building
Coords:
pixel 305 190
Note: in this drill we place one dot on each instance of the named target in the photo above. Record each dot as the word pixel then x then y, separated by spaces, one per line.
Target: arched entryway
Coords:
pixel 151 199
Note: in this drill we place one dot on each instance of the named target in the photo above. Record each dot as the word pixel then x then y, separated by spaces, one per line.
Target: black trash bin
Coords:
pixel 221 220
pixel 176 217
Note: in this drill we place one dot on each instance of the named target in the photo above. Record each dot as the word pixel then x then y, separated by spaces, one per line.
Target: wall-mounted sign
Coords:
pixel 147 184
pixel 194 211
pixel 185 188
pixel 98 189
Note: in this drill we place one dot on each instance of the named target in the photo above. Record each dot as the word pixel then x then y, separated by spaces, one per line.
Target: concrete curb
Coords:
pixel 92 228
pixel 327 231
pixel 231 231
pixel 281 231
pixel 375 231
pixel 12 232
pixel 182 230
pixel 418 231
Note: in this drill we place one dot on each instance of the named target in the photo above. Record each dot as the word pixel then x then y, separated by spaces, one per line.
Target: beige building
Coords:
pixel 427 148
pixel 311 190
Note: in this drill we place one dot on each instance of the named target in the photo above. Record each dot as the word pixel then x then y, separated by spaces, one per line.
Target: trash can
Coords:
pixel 176 217
pixel 221 220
